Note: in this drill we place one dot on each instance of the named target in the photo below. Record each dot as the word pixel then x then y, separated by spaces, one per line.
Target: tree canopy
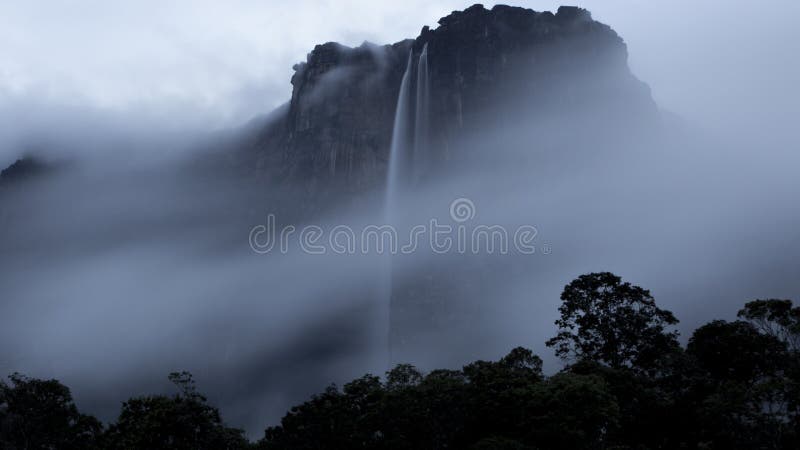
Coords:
pixel 629 385
pixel 611 322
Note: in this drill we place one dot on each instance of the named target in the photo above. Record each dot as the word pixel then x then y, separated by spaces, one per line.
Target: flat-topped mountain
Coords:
pixel 483 85
pixel 339 124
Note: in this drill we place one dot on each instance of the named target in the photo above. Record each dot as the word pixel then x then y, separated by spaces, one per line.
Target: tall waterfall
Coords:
pixel 410 138
pixel 422 117
pixel 399 151
pixel 398 155
pixel 409 145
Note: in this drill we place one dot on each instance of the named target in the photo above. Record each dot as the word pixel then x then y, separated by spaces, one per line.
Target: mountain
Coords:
pixel 440 98
pixel 548 82
pixel 22 169
pixel 337 129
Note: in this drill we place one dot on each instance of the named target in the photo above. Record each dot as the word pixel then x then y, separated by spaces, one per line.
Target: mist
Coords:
pixel 132 258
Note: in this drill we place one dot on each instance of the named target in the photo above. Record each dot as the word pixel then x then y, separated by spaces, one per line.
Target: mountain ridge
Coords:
pixel 338 126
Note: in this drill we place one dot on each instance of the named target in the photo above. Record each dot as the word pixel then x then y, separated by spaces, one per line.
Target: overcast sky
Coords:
pixel 215 64
pixel 115 77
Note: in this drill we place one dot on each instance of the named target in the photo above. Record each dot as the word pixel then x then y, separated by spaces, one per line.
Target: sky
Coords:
pixel 116 78
pixel 210 64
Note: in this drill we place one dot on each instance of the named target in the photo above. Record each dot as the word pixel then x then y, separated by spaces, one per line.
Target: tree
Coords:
pixel 648 415
pixel 571 411
pixel 781 320
pixel 184 421
pixel 747 401
pixel 520 366
pixel 403 376
pixel 778 318
pixel 40 414
pixel 443 409
pixel 611 322
pixel 348 418
pixel 499 391
pixel 736 351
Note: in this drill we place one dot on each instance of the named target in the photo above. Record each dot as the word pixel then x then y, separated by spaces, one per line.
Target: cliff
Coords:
pixel 337 129
pixel 549 82
pixel 22 169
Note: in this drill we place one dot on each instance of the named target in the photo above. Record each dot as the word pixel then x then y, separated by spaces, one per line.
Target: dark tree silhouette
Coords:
pixel 778 318
pixel 40 414
pixel 747 401
pixel 736 351
pixel 181 422
pixel 402 377
pixel 735 387
pixel 611 322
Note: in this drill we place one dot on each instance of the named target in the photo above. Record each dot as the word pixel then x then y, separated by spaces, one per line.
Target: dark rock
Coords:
pixel 339 121
pixel 23 169
pixel 337 130
pixel 574 14
pixel 501 65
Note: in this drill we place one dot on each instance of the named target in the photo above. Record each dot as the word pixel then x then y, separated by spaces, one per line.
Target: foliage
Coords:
pixel 778 318
pixel 747 399
pixel 38 414
pixel 630 386
pixel 178 422
pixel 611 322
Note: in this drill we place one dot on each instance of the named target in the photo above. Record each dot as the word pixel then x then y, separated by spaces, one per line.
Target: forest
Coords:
pixel 627 383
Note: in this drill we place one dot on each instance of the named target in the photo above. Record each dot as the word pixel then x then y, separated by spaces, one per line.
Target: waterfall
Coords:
pixel 399 150
pixel 421 119
pixel 407 157
pixel 398 156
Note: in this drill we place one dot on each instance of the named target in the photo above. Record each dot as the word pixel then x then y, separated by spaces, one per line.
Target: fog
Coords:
pixel 132 259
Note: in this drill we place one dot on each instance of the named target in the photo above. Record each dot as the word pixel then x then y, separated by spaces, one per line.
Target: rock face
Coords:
pixel 334 136
pixel 22 169
pixel 339 121
pixel 337 129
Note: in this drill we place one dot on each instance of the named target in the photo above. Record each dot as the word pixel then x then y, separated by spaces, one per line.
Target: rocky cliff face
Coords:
pixel 337 129
pixel 22 169
pixel 484 66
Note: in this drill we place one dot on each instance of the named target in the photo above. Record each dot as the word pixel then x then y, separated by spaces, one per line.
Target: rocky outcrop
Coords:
pixel 497 66
pixel 340 117
pixel 336 131
pixel 22 169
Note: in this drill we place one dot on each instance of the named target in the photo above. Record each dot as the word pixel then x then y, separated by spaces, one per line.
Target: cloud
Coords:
pixel 228 62
pixel 128 255
pixel 199 54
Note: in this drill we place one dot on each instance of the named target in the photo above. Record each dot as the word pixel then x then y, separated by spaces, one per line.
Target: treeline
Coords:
pixel 627 384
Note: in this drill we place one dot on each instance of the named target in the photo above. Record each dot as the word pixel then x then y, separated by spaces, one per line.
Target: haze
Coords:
pixel 132 266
